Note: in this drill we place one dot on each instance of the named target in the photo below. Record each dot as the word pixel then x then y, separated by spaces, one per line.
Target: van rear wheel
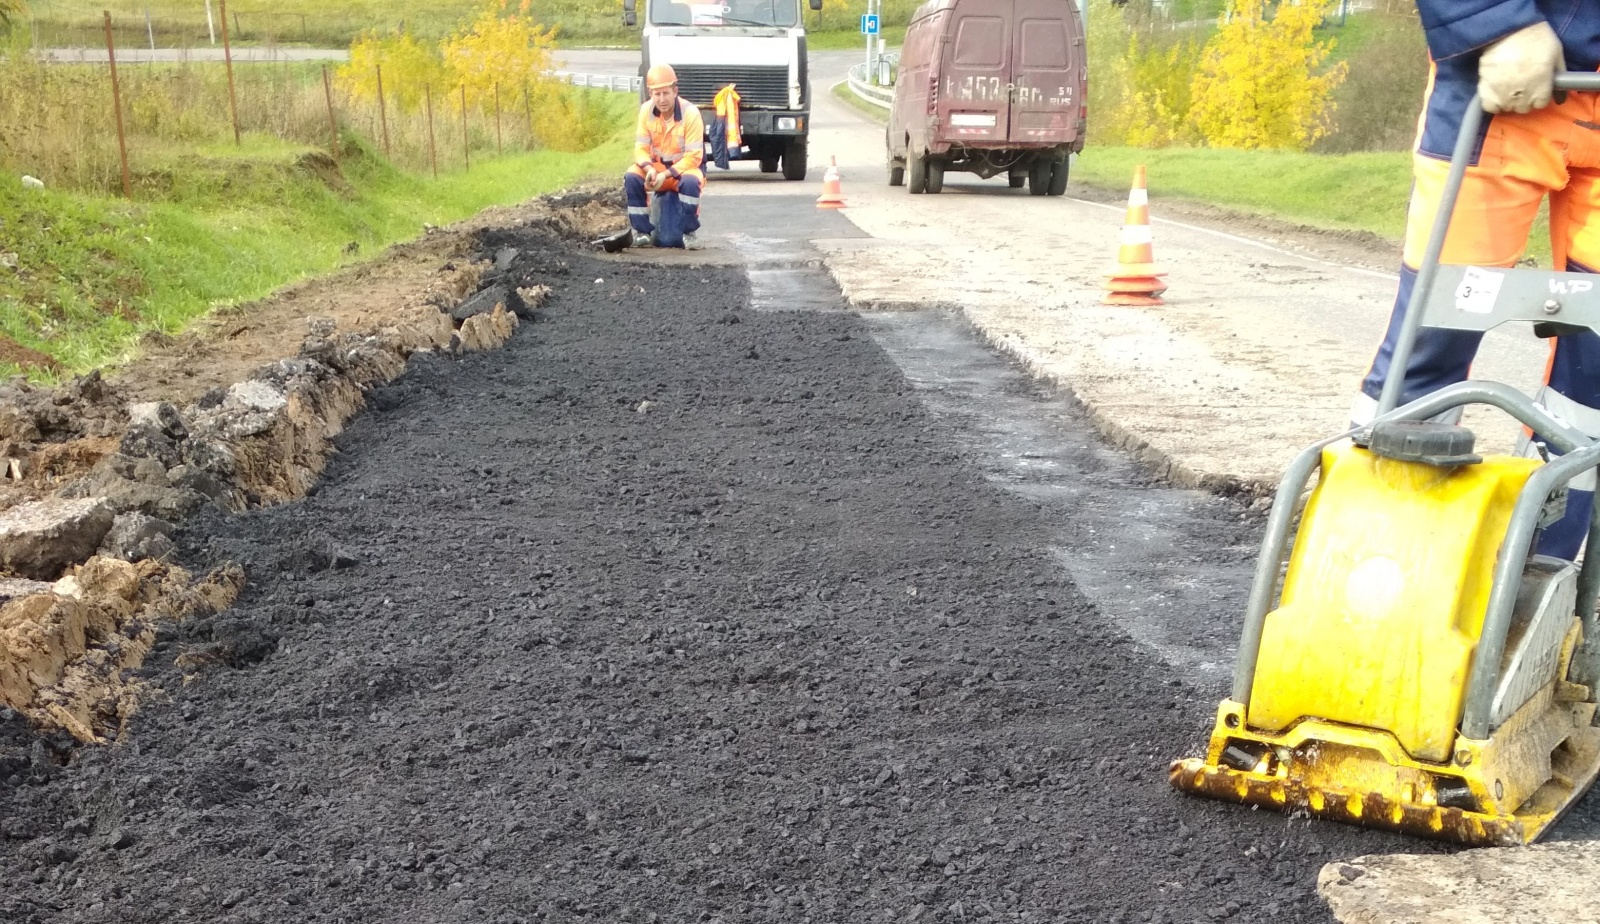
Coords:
pixel 916 174
pixel 1058 176
pixel 1039 174
pixel 897 175
pixel 935 175
pixel 1016 180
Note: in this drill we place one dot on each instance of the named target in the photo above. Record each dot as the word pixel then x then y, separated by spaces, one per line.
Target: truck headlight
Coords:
pixel 972 119
pixel 786 125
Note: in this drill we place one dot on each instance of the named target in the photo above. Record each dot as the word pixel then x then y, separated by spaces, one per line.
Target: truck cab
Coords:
pixel 759 47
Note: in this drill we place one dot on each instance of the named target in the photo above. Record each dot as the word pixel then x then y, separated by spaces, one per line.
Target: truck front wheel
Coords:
pixel 769 165
pixel 794 161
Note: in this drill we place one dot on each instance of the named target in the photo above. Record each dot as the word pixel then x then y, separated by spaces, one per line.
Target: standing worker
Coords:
pixel 669 145
pixel 1531 146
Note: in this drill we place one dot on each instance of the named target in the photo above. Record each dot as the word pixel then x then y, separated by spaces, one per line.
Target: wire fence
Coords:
pixel 198 23
pixel 116 127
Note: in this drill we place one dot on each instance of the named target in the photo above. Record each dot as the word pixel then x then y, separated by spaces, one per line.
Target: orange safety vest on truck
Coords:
pixel 675 140
pixel 725 140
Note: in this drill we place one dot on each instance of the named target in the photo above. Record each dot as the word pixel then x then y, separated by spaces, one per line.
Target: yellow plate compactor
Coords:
pixel 1416 666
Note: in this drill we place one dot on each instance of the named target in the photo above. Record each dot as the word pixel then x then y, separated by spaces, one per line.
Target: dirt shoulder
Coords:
pixel 237 413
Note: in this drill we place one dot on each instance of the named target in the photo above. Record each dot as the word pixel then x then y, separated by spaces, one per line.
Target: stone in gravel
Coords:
pixel 483 302
pixel 203 483
pixel 210 456
pixel 161 415
pixel 13 588
pixel 241 642
pixel 123 494
pixel 149 441
pixel 18 425
pixel 134 536
pixel 504 257
pixel 120 840
pixel 37 540
pixel 532 297
pixel 256 395
pixel 488 331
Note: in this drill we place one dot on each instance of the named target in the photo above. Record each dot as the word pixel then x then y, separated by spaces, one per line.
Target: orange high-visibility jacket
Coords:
pixel 727 105
pixel 677 138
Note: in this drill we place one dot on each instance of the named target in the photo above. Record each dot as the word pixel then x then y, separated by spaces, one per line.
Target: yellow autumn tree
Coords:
pixel 1139 91
pixel 409 68
pixel 11 10
pixel 502 47
pixel 1262 81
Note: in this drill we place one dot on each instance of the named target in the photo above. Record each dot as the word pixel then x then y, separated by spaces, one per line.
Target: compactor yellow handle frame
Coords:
pixel 1499 296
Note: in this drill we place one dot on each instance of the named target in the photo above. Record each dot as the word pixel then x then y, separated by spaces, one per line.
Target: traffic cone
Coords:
pixel 832 196
pixel 1135 279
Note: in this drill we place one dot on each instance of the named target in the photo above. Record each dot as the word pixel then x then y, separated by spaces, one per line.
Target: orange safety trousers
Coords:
pixel 1555 152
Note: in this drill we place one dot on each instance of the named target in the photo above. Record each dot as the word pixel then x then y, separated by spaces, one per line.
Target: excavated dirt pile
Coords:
pixel 95 474
pixel 671 611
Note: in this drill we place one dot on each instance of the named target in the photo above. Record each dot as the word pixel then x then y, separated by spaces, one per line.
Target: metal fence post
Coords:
pixel 466 145
pixel 333 125
pixel 383 115
pixel 116 101
pixel 227 57
pixel 433 157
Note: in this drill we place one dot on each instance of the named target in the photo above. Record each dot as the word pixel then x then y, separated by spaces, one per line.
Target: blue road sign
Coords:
pixel 869 23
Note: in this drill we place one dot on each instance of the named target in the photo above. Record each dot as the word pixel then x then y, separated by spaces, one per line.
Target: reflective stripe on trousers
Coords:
pixel 639 203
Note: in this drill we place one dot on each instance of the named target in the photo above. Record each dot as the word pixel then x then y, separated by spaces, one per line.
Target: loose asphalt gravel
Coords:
pixel 671 611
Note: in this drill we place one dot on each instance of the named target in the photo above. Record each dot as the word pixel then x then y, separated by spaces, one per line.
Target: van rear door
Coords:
pixel 974 88
pixel 1048 56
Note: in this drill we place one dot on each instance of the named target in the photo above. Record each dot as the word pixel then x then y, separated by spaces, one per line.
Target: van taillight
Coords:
pixel 933 95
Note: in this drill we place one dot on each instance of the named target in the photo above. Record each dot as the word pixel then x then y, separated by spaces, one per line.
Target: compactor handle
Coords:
pixel 1466 142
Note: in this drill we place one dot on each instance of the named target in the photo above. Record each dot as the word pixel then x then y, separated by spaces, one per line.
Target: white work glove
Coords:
pixel 1515 73
pixel 652 180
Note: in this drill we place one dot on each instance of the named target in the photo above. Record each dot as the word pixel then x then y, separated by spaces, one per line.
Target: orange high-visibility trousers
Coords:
pixel 1553 151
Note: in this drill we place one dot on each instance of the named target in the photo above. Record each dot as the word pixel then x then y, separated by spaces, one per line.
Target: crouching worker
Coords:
pixel 669 146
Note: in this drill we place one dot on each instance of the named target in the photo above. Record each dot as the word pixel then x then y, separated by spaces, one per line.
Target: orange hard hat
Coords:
pixel 662 75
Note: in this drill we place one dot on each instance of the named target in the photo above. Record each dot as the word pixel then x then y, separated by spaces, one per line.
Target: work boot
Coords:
pixel 691 241
pixel 644 240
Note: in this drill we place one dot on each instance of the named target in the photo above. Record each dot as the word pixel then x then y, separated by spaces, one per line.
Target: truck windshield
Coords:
pixel 765 13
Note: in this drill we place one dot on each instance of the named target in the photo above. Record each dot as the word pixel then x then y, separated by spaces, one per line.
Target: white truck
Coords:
pixel 759 46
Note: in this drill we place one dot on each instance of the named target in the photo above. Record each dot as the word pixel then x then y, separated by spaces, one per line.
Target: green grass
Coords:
pixel 1364 192
pixel 841 91
pixel 1353 192
pixel 852 39
pixel 96 272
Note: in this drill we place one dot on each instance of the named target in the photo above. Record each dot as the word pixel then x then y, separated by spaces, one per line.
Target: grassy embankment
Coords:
pixel 94 271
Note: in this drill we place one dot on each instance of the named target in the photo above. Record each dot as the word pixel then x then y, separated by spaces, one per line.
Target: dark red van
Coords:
pixel 989 87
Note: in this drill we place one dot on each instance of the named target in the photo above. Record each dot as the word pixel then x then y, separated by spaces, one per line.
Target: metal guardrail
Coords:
pixel 876 95
pixel 619 83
